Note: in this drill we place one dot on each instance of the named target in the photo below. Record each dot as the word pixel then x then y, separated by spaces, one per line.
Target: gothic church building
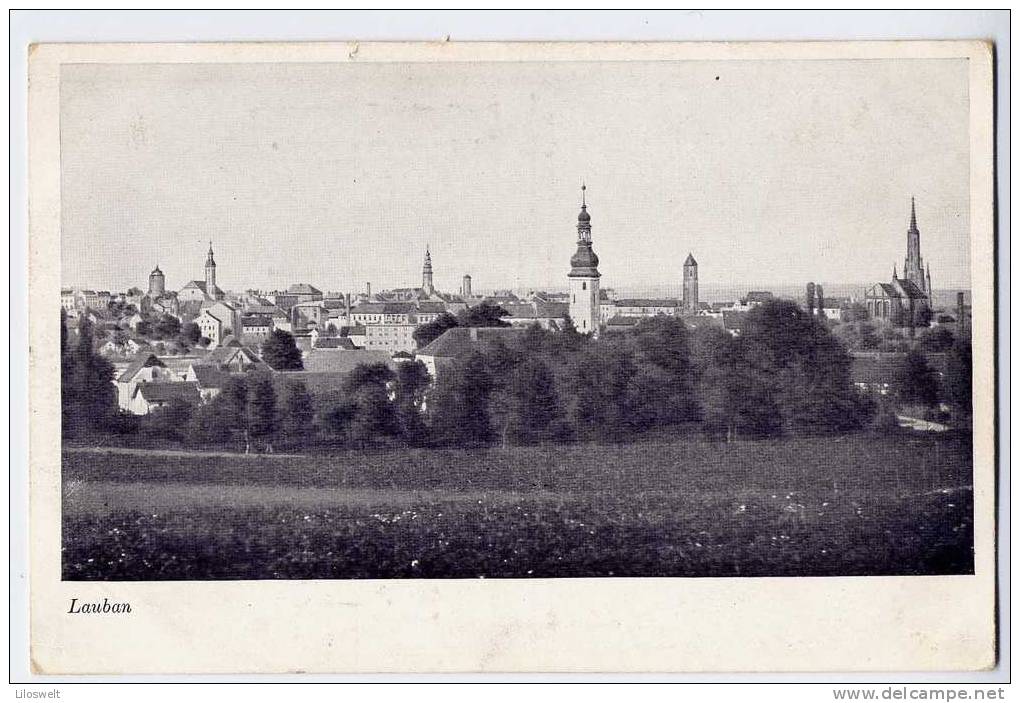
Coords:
pixel 905 301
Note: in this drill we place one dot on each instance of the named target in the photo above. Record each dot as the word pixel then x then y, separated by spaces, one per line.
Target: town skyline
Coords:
pixel 260 159
pixel 454 279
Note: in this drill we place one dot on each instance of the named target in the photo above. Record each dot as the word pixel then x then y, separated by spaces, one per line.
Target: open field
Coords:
pixel 864 504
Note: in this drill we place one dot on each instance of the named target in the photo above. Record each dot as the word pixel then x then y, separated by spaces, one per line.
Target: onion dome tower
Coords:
pixel 584 276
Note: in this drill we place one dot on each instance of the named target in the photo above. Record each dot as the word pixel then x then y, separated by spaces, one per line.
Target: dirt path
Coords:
pixel 132 451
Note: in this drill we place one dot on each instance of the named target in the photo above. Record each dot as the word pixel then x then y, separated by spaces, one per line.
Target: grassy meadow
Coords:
pixel 897 503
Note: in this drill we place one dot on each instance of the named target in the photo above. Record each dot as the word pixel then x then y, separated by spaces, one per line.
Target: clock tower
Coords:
pixel 584 277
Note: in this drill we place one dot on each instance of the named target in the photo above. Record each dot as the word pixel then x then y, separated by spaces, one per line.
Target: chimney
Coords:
pixel 368 289
pixel 347 308
pixel 809 298
pixel 821 300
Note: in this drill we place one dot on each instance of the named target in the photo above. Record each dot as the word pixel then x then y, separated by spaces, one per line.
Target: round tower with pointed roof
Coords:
pixel 584 276
pixel 157 283
pixel 690 302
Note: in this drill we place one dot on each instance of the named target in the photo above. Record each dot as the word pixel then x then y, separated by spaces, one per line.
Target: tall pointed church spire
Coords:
pixel 913 214
pixel 210 275
pixel 894 272
pixel 426 272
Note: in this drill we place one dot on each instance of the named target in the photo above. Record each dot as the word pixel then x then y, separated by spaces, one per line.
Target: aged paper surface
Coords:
pixel 878 623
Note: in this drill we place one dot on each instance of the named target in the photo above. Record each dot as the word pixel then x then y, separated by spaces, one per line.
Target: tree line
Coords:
pixel 786 373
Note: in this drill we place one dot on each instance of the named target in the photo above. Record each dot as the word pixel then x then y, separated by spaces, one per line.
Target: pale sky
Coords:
pixel 770 172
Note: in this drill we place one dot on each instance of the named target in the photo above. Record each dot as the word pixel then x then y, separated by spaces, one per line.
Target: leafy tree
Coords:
pixel 937 339
pixel 87 393
pixel 806 368
pixel 67 380
pixel 533 411
pixel 210 423
pixel 597 381
pixel 118 336
pixel 166 327
pixel 296 410
pixel 172 421
pixel 483 315
pixel 121 308
pixel 409 389
pixel 706 342
pixel 281 353
pixel 738 403
pixel 917 382
pixel 503 358
pixel 134 291
pixel 859 335
pixel 233 402
pixel 367 388
pixel 867 338
pixel 662 387
pixel 569 326
pixel 459 404
pixel 430 331
pixel 922 316
pixel 261 407
pixel 857 312
pixel 959 376
pixel 191 333
pixel 334 420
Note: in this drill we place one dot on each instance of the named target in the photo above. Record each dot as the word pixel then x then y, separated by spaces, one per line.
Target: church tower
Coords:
pixel 426 273
pixel 690 303
pixel 913 265
pixel 210 274
pixel 584 276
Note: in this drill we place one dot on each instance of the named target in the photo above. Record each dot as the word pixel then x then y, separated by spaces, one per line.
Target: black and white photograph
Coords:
pixel 520 320
pixel 501 324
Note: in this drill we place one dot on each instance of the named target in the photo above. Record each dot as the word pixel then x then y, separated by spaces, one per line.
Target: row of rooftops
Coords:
pixel 85 291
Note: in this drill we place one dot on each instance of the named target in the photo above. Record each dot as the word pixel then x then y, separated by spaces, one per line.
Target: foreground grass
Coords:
pixel 906 460
pixel 861 505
